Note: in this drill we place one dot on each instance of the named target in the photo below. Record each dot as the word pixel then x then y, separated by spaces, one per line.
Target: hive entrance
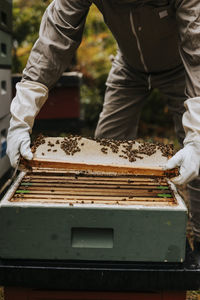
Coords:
pixel 78 188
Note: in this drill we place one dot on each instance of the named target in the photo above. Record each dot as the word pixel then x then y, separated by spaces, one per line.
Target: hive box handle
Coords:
pixel 92 237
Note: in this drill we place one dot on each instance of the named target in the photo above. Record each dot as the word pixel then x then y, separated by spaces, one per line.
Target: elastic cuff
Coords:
pixel 34 83
pixel 191 99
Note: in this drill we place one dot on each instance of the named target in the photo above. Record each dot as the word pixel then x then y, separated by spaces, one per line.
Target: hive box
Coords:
pixel 4 160
pixel 5 49
pixel 6 15
pixel 66 216
pixel 64 98
pixel 5 92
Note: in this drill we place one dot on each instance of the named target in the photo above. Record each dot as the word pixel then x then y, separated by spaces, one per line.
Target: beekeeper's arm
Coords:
pixel 60 34
pixel 188 17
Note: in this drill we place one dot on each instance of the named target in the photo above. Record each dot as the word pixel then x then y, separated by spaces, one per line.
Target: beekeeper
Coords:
pixel 158 47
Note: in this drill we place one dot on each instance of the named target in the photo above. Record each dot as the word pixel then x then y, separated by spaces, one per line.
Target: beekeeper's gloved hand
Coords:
pixel 188 158
pixel 30 96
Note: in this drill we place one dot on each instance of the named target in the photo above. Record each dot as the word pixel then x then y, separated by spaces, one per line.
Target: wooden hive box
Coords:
pixel 90 214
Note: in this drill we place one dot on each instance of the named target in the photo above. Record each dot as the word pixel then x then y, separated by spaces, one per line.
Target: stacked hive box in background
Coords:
pixel 62 108
pixel 5 79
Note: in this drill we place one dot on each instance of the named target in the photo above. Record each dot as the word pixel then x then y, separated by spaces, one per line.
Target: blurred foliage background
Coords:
pixel 93 59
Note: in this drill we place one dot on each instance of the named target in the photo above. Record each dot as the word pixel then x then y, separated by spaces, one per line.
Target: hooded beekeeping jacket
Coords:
pixel 152 36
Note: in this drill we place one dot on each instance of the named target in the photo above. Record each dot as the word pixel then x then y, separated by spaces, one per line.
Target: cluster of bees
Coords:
pixel 51 145
pixel 39 141
pixel 109 143
pixel 167 150
pixel 132 154
pixel 71 145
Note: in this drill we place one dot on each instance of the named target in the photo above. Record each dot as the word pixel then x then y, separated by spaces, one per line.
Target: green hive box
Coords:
pixel 59 230
pixel 4 160
pixel 6 15
pixel 5 49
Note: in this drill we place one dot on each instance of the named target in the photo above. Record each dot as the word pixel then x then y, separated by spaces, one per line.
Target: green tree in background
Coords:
pixel 94 61
pixel 93 57
pixel 26 21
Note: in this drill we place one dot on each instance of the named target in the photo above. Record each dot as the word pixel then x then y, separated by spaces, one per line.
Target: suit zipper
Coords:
pixel 138 42
pixel 149 82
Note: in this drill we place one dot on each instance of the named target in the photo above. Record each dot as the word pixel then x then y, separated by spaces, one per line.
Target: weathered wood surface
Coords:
pixel 98 189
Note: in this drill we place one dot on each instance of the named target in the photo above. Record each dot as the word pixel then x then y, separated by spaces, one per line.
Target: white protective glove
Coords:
pixel 188 158
pixel 30 96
